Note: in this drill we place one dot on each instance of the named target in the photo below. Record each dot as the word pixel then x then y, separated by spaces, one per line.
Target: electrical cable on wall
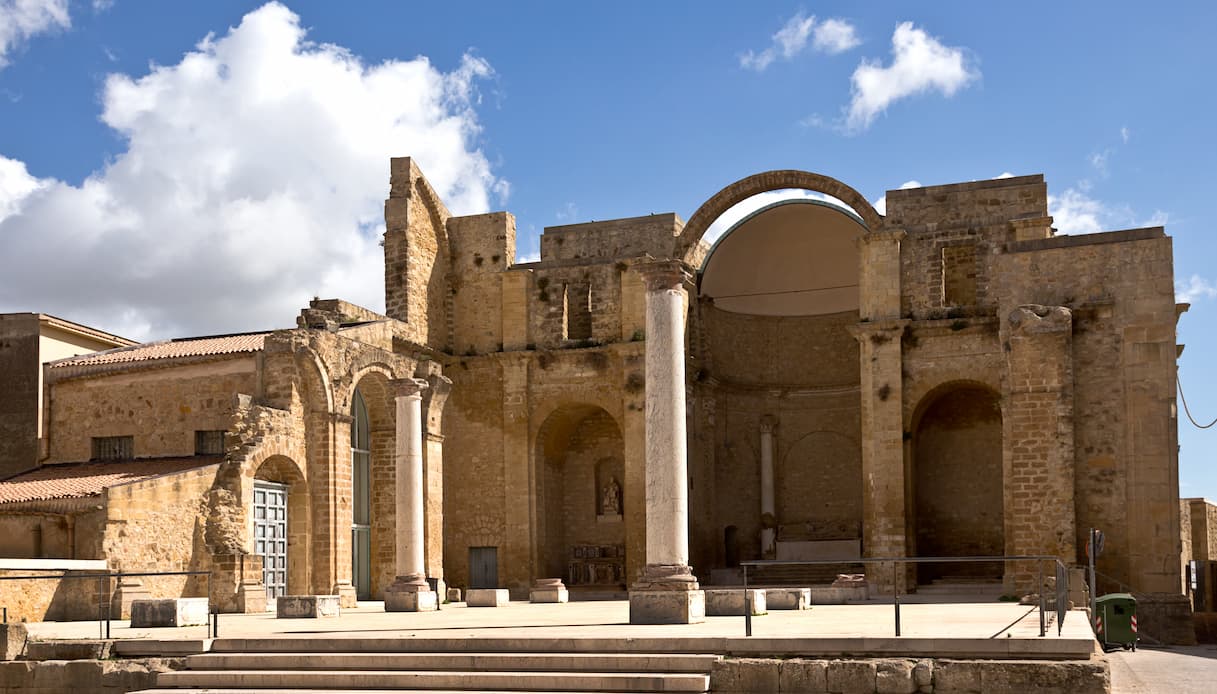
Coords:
pixel 1189 412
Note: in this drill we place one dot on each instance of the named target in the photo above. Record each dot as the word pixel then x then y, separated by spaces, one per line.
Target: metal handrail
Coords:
pixel 103 605
pixel 1062 579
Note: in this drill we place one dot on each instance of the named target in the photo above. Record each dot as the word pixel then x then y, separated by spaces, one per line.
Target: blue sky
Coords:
pixel 190 168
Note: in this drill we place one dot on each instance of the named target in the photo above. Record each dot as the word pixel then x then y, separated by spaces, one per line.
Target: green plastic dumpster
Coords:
pixel 1116 621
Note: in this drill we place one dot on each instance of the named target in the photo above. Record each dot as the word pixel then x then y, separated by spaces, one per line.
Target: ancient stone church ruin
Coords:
pixel 640 410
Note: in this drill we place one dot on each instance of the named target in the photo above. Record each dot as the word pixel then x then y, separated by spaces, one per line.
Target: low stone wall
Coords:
pixel 907 676
pixel 49 599
pixel 84 676
pixel 1166 617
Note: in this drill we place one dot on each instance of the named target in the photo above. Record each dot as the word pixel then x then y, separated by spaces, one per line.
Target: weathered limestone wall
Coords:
pixel 416 256
pixel 84 676
pixel 1120 288
pixel 36 535
pixel 49 600
pixel 614 239
pixel 1202 522
pixel 159 525
pixel 161 408
pixel 483 247
pixel 19 374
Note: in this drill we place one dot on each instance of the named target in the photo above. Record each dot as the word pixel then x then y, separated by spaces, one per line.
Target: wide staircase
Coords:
pixel 279 666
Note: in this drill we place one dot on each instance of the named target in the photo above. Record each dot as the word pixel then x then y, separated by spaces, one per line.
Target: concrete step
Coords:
pixel 960 588
pixel 503 662
pixel 338 691
pixel 440 644
pixel 438 679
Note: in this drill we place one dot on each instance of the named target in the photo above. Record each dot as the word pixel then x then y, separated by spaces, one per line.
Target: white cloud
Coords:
pixel 1099 161
pixel 742 209
pixel 1074 212
pixel 830 36
pixel 1004 174
pixel 920 63
pixel 834 36
pixel 881 204
pixel 22 19
pixel 253 179
pixel 1195 288
pixel 568 214
pixel 1125 133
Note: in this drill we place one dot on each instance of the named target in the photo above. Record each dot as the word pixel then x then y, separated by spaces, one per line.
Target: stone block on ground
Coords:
pixel 802 675
pixel 838 595
pixel 12 641
pixel 82 649
pixel 410 595
pixel 895 677
pixel 738 675
pixel 730 601
pixel 788 598
pixel 307 606
pixel 454 595
pixel 169 612
pixel 1045 677
pixel 486 597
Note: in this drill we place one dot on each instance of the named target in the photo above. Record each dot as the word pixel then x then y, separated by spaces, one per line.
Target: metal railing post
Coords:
pixel 896 597
pixel 747 609
pixel 1040 592
pixel 101 591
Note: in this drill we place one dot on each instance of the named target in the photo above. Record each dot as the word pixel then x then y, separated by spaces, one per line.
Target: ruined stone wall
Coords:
pixel 159 525
pixel 1119 286
pixel 161 408
pixel 1202 529
pixel 575 305
pixel 19 373
pixel 631 237
pixel 35 535
pixel 416 256
pixel 483 247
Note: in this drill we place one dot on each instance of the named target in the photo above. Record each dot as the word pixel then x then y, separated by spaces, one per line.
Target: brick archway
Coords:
pixel 745 188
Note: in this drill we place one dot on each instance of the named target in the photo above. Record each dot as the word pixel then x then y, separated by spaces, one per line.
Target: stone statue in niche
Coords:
pixel 610 499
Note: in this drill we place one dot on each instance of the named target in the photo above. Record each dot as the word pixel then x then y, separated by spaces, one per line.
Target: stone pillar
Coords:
pixel 768 517
pixel 667 591
pixel 879 335
pixel 1037 428
pixel 338 508
pixel 434 398
pixel 410 591
pixel 519 555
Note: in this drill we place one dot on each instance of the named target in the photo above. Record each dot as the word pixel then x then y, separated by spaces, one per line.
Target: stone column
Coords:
pixel 768 517
pixel 667 591
pixel 410 591
pixel 879 335
pixel 433 401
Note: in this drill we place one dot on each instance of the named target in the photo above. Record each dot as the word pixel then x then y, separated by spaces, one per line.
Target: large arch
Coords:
pixel 372 384
pixel 712 209
pixel 956 492
pixel 580 477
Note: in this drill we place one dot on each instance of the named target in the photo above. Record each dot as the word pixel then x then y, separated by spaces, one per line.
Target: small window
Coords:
pixel 959 275
pixel 113 447
pixel 577 311
pixel 209 443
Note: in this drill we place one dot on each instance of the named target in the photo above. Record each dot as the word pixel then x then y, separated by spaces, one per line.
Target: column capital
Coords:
pixel 659 275
pixel 768 424
pixel 407 387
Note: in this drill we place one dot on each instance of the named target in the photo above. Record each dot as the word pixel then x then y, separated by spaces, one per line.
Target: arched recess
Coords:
pixel 712 209
pixel 281 472
pixel 819 488
pixel 579 454
pixel 957 505
pixel 371 390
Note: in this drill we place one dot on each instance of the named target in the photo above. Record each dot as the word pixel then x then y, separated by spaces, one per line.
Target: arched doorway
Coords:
pixel 280 511
pixel 957 481
pixel 580 468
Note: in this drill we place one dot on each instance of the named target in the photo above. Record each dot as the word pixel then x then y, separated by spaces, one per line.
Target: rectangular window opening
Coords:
pixel 209 443
pixel 959 275
pixel 113 447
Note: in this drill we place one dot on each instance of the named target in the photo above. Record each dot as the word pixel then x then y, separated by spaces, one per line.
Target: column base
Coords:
pixel 410 594
pixel 346 594
pixel 667 594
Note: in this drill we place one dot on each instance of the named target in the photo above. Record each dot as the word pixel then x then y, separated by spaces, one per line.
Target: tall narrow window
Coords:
pixel 113 447
pixel 577 311
pixel 959 275
pixel 361 499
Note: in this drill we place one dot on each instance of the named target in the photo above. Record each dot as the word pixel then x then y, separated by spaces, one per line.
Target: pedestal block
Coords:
pixel 486 597
pixel 730 602
pixel 169 612
pixel 410 594
pixel 454 595
pixel 307 606
pixel 667 606
pixel 548 590
pixel 789 598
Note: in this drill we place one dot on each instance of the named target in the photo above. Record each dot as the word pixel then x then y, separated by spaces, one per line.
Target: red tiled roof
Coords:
pixel 170 349
pixel 76 480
